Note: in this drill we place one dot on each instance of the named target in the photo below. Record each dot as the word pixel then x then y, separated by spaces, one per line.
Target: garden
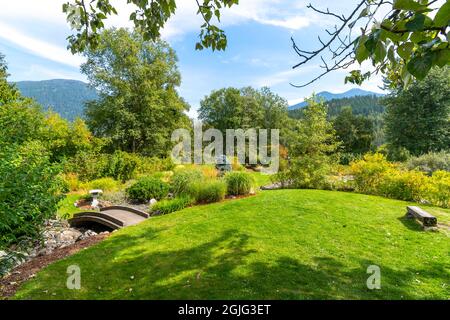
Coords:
pixel 335 221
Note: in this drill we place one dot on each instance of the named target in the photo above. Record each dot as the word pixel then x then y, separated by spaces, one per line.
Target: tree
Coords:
pixel 356 132
pixel 87 19
pixel 139 106
pixel 231 108
pixel 413 33
pixel 312 148
pixel 29 184
pixel 8 92
pixel 418 118
pixel 408 37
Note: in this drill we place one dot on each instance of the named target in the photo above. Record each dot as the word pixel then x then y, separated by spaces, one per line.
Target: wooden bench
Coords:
pixel 417 213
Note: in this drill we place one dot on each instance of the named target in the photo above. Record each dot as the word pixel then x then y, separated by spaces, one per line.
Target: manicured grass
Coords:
pixel 260 179
pixel 66 206
pixel 286 244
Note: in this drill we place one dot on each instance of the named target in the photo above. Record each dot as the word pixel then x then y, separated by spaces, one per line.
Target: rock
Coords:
pixel 87 234
pixel 153 202
pixel 70 235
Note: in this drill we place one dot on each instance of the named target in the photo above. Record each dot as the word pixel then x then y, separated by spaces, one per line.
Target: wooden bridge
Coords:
pixel 115 217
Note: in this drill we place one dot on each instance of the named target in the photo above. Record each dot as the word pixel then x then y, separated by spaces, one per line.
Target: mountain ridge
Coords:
pixel 327 96
pixel 64 96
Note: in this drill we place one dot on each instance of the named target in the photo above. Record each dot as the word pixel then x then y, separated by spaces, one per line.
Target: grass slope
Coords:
pixel 287 244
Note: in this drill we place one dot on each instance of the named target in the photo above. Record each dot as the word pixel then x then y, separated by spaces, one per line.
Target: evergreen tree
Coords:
pixel 418 118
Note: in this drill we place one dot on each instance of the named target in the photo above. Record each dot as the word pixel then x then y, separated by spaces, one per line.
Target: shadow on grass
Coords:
pixel 411 223
pixel 225 268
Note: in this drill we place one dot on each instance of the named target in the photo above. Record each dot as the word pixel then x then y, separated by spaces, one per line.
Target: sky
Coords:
pixel 259 53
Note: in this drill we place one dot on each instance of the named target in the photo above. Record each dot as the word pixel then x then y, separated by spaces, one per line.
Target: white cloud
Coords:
pixel 287 76
pixel 39 47
pixel 38 72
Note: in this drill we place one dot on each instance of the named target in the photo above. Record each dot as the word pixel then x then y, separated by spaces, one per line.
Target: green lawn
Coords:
pixel 287 244
pixel 66 207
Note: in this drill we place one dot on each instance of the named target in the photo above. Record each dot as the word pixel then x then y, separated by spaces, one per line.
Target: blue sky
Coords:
pixel 33 38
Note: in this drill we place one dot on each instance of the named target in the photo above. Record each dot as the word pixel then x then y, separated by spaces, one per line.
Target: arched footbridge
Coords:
pixel 115 217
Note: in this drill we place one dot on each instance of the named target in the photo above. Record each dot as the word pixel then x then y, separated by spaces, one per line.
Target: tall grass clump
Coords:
pixel 238 183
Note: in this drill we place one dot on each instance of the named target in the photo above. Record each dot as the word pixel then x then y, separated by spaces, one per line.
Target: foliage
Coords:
pixel 30 191
pixel 71 182
pixel 298 241
pixel 312 149
pixel 168 206
pixel 439 189
pixel 430 162
pixel 231 108
pixel 355 132
pixel 20 121
pixel 87 20
pixel 181 180
pixel 375 175
pixel 147 188
pixel 148 165
pixel 121 166
pixel 87 165
pixel 8 92
pixel 411 38
pixel 65 139
pixel 207 191
pixel 29 183
pixel 418 118
pixel 104 184
pixel 367 105
pixel 138 106
pixel 369 172
pixel 238 183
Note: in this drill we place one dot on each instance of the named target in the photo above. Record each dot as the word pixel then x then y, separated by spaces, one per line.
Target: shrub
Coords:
pixel 403 185
pixel 149 165
pixel 71 181
pixel 105 184
pixel 207 191
pixel 30 190
pixel 169 206
pixel 431 162
pixel 147 188
pixel 238 183
pixel 438 192
pixel 87 165
pixel 122 166
pixel 183 178
pixel 209 172
pixel 116 198
pixel 369 172
pixel 236 165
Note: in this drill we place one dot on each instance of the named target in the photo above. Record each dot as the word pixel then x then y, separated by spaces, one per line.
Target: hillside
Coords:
pixel 285 244
pixel 327 96
pixel 66 97
pixel 361 105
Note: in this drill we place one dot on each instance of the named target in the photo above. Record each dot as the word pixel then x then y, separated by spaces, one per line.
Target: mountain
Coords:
pixel 66 97
pixel 327 96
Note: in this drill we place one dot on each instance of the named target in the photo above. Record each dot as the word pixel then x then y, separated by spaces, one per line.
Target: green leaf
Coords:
pixel 417 23
pixel 405 50
pixel 419 66
pixel 442 17
pixel 372 41
pixel 441 57
pixel 380 52
pixel 362 53
pixel 410 5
